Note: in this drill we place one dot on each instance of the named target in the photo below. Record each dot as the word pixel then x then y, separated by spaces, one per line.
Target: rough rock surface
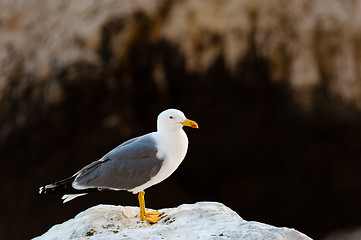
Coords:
pixel 203 220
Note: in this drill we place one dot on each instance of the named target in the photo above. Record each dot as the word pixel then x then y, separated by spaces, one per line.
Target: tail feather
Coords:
pixel 69 197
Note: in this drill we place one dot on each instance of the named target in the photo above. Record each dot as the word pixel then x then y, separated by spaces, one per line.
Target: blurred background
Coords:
pixel 275 87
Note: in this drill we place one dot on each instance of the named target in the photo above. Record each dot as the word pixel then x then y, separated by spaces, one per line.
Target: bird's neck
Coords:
pixel 175 134
pixel 176 140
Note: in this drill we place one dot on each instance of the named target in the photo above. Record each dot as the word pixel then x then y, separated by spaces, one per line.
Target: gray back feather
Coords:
pixel 127 166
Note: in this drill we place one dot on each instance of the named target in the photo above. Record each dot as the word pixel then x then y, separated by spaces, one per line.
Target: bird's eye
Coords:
pixel 171 117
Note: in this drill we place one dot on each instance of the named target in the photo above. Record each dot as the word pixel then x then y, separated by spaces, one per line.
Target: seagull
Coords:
pixel 134 166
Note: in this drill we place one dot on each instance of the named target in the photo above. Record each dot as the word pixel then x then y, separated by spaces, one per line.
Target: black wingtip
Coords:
pixel 61 187
pixel 51 188
pixel 42 190
pixel 64 187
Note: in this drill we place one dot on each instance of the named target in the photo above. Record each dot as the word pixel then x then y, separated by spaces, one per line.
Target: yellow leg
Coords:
pixel 151 217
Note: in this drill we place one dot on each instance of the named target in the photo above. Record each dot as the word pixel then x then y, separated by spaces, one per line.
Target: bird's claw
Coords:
pixel 152 217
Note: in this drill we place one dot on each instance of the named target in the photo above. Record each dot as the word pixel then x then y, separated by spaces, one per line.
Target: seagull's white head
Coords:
pixel 173 120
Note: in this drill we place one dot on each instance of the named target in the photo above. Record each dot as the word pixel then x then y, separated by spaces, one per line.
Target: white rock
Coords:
pixel 203 220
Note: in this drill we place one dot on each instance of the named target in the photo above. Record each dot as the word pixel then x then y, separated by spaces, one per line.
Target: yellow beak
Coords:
pixel 190 123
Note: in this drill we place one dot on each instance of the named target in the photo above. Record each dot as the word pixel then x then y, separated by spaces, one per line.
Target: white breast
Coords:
pixel 172 147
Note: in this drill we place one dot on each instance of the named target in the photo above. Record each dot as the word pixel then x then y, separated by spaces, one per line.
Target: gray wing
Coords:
pixel 127 166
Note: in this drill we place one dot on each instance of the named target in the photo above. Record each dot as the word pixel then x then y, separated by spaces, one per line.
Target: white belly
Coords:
pixel 172 148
